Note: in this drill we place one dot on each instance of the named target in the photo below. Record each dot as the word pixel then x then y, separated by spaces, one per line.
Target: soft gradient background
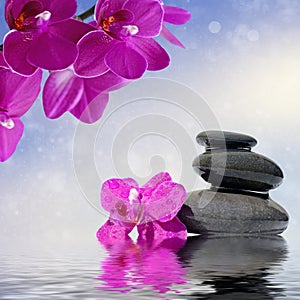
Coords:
pixel 242 57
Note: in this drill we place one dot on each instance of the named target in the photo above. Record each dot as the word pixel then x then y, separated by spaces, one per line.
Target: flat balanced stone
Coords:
pixel 234 169
pixel 213 139
pixel 221 213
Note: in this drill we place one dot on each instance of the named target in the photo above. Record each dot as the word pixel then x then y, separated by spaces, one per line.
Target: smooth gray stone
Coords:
pixel 210 212
pixel 244 170
pixel 212 139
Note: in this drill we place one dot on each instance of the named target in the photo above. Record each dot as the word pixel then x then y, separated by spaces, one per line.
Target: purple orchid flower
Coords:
pixel 152 207
pixel 123 41
pixel 17 94
pixel 42 34
pixel 85 98
pixel 177 16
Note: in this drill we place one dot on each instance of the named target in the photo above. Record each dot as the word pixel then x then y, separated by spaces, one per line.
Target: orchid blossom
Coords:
pixel 152 208
pixel 17 94
pixel 123 41
pixel 86 62
pixel 42 34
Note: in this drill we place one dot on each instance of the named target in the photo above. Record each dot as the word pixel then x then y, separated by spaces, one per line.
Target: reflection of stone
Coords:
pixel 233 267
pixel 238 202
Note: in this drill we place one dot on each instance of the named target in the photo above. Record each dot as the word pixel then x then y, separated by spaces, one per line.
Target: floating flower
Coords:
pixel 17 94
pixel 177 16
pixel 42 34
pixel 123 41
pixel 85 98
pixel 152 207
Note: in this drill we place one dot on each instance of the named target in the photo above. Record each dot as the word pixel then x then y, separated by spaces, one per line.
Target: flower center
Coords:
pixel 19 21
pixel 131 29
pixel 119 25
pixel 106 23
pixel 134 195
pixel 32 17
pixel 5 120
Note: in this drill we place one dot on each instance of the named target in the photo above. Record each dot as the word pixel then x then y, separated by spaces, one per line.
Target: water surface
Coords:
pixel 205 268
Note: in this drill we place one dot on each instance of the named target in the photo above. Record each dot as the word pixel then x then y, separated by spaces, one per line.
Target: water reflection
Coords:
pixel 213 268
pixel 143 264
pixel 233 267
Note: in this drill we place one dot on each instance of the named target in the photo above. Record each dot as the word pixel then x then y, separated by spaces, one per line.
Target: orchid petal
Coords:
pixel 60 9
pixel 148 17
pixel 3 63
pixel 92 49
pixel 15 51
pixel 115 193
pixel 71 30
pixel 8 14
pixel 153 183
pixel 51 52
pixel 126 62
pixel 164 202
pixel 106 8
pixel 62 91
pixel 90 111
pixel 156 232
pixel 18 93
pixel 9 139
pixel 113 232
pixel 95 97
pixel 169 36
pixel 155 55
pixel 176 15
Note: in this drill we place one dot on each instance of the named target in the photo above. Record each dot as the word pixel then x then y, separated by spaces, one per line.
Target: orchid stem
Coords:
pixel 88 13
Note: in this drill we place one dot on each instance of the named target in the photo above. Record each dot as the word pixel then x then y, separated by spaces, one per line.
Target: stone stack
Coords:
pixel 238 201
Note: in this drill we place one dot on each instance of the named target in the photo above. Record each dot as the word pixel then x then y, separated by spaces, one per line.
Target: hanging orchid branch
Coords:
pixel 85 61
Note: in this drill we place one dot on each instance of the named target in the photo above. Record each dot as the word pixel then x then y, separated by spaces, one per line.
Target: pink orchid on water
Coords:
pixel 17 94
pixel 152 207
pixel 42 34
pixel 177 16
pixel 123 41
pixel 85 98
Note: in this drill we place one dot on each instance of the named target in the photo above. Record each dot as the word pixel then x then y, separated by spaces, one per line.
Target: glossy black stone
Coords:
pixel 220 213
pixel 238 202
pixel 234 169
pixel 213 139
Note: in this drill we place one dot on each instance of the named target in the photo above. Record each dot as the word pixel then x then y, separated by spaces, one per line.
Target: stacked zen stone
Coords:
pixel 238 201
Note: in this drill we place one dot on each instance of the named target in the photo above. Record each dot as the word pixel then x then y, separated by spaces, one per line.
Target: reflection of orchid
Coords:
pixel 141 265
pixel 17 94
pixel 152 207
pixel 123 40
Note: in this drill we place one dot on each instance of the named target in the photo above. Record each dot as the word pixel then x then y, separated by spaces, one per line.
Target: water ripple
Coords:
pixel 205 268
